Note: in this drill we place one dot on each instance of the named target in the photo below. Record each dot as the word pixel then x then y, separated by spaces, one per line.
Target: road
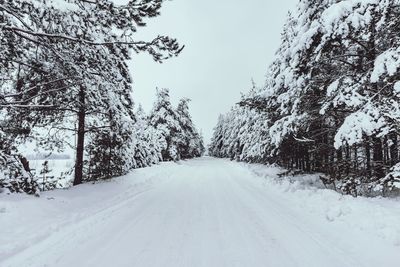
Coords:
pixel 204 212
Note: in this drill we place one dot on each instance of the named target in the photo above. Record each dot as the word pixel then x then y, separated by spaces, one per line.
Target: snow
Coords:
pixel 332 87
pixel 60 5
pixel 366 121
pixel 353 12
pixel 397 87
pixel 59 169
pixel 388 62
pixel 284 127
pixel 367 216
pixel 203 212
pixel 395 174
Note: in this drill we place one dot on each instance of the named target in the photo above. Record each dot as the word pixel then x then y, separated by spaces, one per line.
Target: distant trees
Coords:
pixel 331 101
pixel 178 136
pixel 190 140
pixel 241 135
pixel 164 118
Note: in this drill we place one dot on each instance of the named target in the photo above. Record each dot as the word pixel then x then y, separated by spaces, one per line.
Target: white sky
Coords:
pixel 228 42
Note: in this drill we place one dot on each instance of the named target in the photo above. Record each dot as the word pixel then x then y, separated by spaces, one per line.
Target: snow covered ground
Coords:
pixel 205 212
pixel 58 169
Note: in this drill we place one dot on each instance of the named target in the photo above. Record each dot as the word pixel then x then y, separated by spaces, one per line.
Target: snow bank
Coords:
pixel 378 216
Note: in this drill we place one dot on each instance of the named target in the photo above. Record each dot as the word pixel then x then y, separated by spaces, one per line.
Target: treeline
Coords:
pixel 331 100
pixel 63 70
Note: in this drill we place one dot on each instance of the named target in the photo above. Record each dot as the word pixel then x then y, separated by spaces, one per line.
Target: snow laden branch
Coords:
pixel 156 47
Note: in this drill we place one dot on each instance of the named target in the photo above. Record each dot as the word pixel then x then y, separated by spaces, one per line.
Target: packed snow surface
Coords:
pixel 205 212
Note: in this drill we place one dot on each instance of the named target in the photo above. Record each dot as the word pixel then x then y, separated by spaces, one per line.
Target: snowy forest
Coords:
pixel 331 100
pixel 63 77
pixel 130 135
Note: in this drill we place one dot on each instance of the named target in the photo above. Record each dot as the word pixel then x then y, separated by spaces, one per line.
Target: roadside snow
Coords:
pixel 370 216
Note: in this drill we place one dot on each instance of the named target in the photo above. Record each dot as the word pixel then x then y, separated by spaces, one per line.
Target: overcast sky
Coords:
pixel 228 42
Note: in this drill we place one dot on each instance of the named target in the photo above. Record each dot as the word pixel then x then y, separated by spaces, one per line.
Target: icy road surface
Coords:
pixel 205 212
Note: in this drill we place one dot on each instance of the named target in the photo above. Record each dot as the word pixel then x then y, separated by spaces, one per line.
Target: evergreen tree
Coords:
pixel 110 149
pixel 217 141
pixel 190 142
pixel 164 119
pixel 147 150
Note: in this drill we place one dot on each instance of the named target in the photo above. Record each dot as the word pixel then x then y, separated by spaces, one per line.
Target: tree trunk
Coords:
pixel 367 156
pixel 348 159
pixel 339 155
pixel 326 151
pixel 394 150
pixel 378 157
pixel 386 160
pixel 81 138
pixel 307 159
pixel 355 159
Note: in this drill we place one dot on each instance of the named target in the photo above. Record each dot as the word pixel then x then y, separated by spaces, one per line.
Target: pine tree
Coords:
pixel 110 149
pixel 164 119
pixel 147 150
pixel 190 142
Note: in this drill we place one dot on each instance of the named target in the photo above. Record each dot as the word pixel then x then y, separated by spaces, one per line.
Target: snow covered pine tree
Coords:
pixel 191 142
pixel 164 120
pixel 178 136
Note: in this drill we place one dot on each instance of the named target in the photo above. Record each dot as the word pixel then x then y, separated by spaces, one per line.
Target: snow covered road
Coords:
pixel 206 212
